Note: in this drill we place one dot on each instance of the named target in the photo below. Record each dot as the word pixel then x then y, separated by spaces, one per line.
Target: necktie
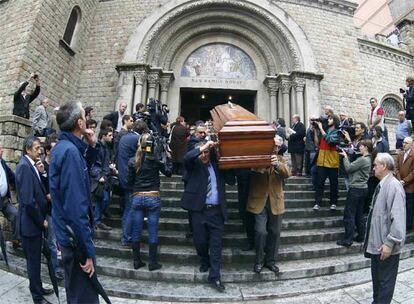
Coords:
pixel 374 198
pixel 209 186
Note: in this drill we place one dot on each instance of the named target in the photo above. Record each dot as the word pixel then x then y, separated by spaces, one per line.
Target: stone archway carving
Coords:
pixel 279 44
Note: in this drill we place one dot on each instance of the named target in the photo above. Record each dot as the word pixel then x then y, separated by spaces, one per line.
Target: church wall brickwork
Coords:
pixel 115 22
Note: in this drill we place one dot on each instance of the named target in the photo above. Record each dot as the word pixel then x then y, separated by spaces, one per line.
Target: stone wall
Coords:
pixel 114 23
pixel 33 45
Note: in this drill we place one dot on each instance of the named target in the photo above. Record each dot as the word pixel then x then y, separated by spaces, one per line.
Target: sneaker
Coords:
pixel 316 207
pixel 333 207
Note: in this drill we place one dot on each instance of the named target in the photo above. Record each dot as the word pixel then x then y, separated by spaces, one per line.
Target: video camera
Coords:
pixel 158 113
pixel 322 119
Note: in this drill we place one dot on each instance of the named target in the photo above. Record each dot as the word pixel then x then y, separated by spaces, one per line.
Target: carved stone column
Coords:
pixel 153 81
pixel 140 77
pixel 299 85
pixel 272 88
pixel 165 83
pixel 285 86
pixel 125 88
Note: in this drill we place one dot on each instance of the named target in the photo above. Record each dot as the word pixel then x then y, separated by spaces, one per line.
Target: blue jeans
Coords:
pixel 51 242
pixel 126 223
pixel 101 205
pixel 141 206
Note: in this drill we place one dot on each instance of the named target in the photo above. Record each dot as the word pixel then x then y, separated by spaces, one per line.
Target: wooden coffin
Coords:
pixel 245 141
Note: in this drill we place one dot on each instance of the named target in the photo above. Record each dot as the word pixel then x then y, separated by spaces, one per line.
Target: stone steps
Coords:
pixel 156 290
pixel 234 239
pixel 233 213
pixel 236 225
pixel 175 253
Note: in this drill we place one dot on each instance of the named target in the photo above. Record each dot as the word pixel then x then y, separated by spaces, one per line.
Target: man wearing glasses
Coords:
pixel 385 233
pixel 405 174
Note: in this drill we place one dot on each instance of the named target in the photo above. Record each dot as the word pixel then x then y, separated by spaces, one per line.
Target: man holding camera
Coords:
pixel 409 99
pixel 328 160
pixel 25 95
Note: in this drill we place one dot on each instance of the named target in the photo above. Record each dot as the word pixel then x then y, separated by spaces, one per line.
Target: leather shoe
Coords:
pixel 273 268
pixel 218 285
pixel 47 291
pixel 248 247
pixel 258 268
pixel 204 268
pixel 42 301
pixel 343 243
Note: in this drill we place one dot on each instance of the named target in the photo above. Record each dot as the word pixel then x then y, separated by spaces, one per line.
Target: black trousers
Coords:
pixel 409 199
pixel 354 214
pixel 10 213
pixel 267 240
pixel 384 275
pixel 208 228
pixel 32 248
pixel 332 174
pixel 297 163
pixel 243 183
pixel 79 289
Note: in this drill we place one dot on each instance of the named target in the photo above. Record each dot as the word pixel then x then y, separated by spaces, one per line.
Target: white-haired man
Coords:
pixel 385 233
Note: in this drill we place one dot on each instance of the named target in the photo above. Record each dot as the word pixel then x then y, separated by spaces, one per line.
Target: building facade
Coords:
pixel 277 57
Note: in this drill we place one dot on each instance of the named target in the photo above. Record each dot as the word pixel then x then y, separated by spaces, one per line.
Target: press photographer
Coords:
pixel 408 95
pixel 353 136
pixel 158 114
pixel 328 160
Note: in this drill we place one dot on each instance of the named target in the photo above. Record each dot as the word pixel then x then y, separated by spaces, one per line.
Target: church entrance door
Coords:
pixel 197 103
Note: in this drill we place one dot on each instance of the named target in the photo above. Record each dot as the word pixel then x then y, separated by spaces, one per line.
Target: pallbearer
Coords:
pixel 266 201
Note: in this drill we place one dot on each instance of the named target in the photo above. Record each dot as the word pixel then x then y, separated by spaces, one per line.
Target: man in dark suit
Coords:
pixel 116 116
pixel 296 145
pixel 204 196
pixel 31 195
pixel 9 211
pixel 24 96
pixel 127 148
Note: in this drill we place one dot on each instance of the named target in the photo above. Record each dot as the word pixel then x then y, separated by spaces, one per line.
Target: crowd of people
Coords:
pixel 67 176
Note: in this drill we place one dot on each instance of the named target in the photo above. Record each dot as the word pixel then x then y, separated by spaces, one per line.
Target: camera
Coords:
pixel 322 119
pixel 158 115
pixel 402 91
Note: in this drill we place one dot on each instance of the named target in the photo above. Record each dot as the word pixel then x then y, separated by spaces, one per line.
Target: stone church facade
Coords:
pixel 289 56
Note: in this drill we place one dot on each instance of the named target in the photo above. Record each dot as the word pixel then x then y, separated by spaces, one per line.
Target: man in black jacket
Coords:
pixel 24 96
pixel 9 211
pixel 296 145
pixel 204 196
pixel 116 116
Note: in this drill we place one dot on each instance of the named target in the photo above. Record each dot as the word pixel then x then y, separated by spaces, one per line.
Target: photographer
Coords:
pixel 25 95
pixel 159 115
pixel 360 133
pixel 409 99
pixel 358 172
pixel 140 112
pixel 144 178
pixel 328 160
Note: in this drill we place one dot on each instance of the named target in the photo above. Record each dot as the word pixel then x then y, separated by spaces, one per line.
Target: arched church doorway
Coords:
pixel 197 103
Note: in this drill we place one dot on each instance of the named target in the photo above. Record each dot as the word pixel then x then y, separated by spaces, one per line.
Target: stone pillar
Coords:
pixel 153 80
pixel 285 87
pixel 272 88
pixel 299 85
pixel 140 77
pixel 125 88
pixel 165 83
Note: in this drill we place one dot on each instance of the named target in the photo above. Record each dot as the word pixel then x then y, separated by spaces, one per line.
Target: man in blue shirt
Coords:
pixel 204 196
pixel 403 130
pixel 71 195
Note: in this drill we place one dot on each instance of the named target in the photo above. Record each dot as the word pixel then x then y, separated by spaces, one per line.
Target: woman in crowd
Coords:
pixel 144 178
pixel 178 144
pixel 379 141
pixel 358 173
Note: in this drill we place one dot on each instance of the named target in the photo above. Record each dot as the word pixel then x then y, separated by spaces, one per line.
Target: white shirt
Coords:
pixel 3 182
pixel 406 155
pixel 119 126
pixel 34 165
